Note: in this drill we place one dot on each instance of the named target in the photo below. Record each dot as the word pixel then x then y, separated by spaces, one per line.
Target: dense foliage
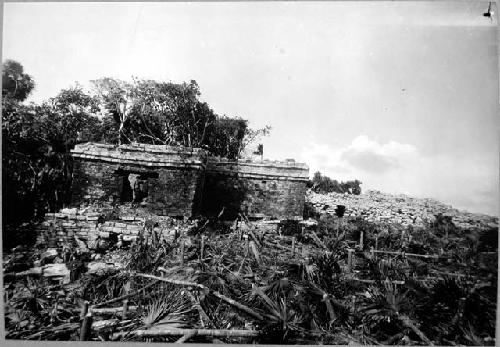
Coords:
pixel 37 138
pixel 148 111
pixel 324 184
pixel 16 84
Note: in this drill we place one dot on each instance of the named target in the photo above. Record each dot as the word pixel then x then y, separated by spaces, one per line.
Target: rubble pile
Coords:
pixel 89 225
pixel 63 226
pixel 374 206
pixel 101 231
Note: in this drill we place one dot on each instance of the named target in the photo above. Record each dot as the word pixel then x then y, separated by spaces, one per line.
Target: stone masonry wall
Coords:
pixel 275 198
pixel 175 193
pixel 94 181
pixel 173 176
pixel 61 229
pixel 183 182
pixel 255 197
pixel 258 189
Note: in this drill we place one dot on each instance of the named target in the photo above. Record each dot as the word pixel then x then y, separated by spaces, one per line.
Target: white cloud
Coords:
pixel 370 156
pixel 393 167
pixel 361 155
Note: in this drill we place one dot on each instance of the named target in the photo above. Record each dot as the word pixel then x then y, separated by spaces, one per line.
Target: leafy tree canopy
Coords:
pixel 15 83
pixel 169 113
pixel 324 184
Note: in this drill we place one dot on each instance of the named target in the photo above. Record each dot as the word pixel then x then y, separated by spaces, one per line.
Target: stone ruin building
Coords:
pixel 186 182
pixel 164 182
pixel 168 180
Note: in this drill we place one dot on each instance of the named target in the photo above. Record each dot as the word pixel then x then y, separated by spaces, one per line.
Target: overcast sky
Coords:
pixel 401 95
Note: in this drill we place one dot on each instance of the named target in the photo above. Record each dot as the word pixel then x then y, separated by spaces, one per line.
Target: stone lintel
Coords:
pixel 153 156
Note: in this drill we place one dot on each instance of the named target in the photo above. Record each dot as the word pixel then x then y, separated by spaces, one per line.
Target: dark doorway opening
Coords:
pixel 134 185
pixel 127 194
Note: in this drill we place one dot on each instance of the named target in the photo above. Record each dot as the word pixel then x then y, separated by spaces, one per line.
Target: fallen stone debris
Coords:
pixel 375 206
pixel 121 273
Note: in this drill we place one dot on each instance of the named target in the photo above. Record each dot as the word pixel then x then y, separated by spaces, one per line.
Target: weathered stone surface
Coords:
pixel 133 227
pixel 57 270
pixel 104 234
pixel 49 255
pixel 97 266
pixel 141 154
pixel 129 238
pixel 375 206
pixel 177 182
pixel 182 181
pixel 127 218
pixel 270 189
pixel 171 177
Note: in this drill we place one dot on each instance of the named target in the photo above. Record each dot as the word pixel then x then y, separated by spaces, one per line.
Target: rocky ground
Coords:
pixel 375 206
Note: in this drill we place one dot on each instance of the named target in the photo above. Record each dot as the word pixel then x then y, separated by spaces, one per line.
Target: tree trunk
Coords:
pixel 120 132
pixel 199 332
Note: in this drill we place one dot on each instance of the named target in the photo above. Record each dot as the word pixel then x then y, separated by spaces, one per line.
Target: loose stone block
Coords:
pixel 127 218
pixel 129 238
pixel 104 234
pixel 57 270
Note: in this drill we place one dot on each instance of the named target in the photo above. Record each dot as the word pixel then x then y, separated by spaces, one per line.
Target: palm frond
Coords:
pixel 171 308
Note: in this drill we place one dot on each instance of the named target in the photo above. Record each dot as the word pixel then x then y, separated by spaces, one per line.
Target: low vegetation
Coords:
pixel 343 280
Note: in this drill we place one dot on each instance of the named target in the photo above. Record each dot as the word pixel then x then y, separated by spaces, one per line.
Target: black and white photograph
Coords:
pixel 250 172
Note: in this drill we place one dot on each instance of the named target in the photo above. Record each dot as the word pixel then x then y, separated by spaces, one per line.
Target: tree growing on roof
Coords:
pixel 149 111
pixel 116 97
